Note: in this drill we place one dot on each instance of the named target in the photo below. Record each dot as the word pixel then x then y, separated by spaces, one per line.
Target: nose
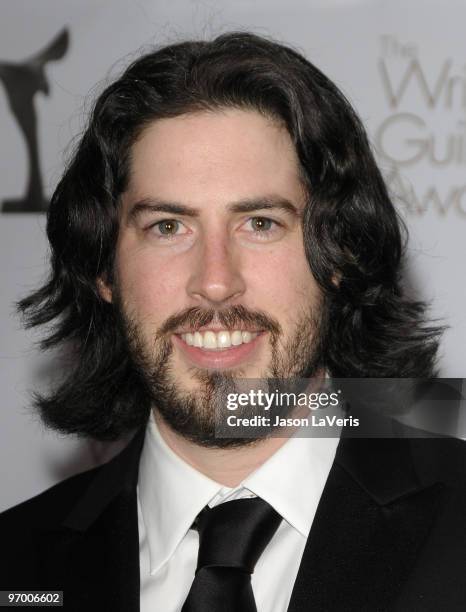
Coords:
pixel 216 277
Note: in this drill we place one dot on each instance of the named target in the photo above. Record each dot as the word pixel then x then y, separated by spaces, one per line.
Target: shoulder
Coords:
pixel 444 457
pixel 26 529
pixel 51 506
pixel 41 535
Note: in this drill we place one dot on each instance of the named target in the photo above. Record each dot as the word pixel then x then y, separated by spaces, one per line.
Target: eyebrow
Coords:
pixel 152 205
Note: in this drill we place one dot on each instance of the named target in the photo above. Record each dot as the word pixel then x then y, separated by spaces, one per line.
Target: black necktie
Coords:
pixel 232 537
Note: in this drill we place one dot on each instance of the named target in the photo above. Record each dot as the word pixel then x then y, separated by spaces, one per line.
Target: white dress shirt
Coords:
pixel 171 494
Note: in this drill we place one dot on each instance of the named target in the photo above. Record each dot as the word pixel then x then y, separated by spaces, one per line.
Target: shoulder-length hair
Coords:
pixel 353 236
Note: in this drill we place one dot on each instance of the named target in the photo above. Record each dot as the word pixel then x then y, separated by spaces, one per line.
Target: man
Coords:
pixel 223 219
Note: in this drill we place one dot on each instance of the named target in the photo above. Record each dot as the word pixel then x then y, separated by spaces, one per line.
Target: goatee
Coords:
pixel 199 415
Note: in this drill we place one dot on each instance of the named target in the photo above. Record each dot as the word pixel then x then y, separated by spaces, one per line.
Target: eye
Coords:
pixel 264 229
pixel 169 227
pixel 261 224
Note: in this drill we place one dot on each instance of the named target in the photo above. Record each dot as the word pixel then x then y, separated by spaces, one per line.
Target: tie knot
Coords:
pixel 235 533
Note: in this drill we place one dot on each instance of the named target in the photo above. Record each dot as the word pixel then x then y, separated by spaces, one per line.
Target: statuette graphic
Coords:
pixel 21 82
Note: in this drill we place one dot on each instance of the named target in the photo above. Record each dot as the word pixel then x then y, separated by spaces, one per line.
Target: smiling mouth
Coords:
pixel 218 340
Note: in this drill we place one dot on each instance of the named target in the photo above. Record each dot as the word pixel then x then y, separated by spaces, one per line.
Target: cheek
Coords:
pixel 150 288
pixel 283 281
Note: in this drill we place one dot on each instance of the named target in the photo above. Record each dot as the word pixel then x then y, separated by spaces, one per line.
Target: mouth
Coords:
pixel 212 340
pixel 218 348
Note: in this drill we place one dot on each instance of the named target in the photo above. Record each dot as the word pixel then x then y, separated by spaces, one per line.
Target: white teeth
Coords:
pixel 209 340
pixel 247 337
pixel 236 338
pixel 218 340
pixel 223 339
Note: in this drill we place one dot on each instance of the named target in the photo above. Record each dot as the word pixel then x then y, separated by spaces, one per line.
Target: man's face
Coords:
pixel 211 276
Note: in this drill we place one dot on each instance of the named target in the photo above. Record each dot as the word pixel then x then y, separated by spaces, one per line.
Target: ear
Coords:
pixel 105 290
pixel 336 278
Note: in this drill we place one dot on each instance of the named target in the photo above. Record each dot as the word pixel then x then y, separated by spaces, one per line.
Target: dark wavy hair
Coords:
pixel 351 230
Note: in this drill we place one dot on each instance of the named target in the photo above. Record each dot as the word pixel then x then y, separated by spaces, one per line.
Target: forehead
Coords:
pixel 210 158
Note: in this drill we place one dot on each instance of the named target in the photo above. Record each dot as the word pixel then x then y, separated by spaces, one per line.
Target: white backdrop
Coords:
pixel 401 63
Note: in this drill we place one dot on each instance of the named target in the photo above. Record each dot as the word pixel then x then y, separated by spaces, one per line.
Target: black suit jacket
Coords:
pixel 389 533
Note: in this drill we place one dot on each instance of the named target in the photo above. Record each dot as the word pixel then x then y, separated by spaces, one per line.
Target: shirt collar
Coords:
pixel 172 493
pixel 293 478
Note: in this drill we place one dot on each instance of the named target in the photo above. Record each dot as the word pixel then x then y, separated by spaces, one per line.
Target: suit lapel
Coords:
pixel 375 512
pixel 93 556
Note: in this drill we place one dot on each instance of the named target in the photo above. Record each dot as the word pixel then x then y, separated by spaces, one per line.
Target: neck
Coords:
pixel 227 466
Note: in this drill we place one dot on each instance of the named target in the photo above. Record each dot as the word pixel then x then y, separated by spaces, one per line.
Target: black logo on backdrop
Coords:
pixel 22 82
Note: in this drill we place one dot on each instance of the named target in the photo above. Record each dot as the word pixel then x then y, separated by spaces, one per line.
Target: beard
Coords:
pixel 198 414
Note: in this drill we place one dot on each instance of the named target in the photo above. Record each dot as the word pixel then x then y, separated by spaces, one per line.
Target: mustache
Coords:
pixel 228 317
